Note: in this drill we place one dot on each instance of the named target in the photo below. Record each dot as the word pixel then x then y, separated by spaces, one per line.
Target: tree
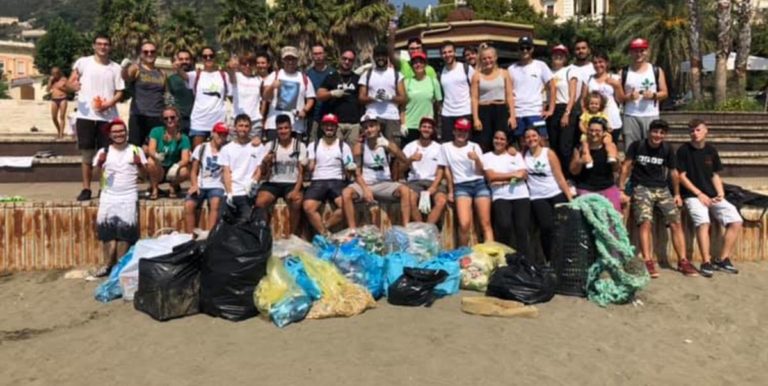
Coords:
pixel 411 15
pixel 360 24
pixel 181 30
pixel 302 23
pixel 244 25
pixel 744 18
pixel 3 87
pixel 694 42
pixel 128 23
pixel 59 47
pixel 723 50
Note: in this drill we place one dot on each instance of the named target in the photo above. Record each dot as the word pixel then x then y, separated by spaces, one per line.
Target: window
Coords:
pixel 21 67
pixel 2 66
pixel 550 10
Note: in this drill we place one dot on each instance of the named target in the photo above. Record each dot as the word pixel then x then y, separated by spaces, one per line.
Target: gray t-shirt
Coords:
pixel 287 160
pixel 148 93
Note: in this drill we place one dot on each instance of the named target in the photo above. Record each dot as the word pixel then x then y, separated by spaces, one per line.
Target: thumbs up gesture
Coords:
pixel 472 155
pixel 417 156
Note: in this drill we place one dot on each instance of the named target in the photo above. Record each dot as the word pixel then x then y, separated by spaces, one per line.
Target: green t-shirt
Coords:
pixel 422 94
pixel 407 70
pixel 183 97
pixel 173 148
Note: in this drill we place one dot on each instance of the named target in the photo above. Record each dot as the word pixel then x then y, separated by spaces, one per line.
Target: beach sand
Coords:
pixel 687 331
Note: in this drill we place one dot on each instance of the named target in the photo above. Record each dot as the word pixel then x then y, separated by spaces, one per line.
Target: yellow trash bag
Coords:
pixel 277 285
pixel 477 267
pixel 340 297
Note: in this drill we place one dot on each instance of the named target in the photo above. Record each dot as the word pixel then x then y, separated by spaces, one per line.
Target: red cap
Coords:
pixel 427 119
pixel 330 118
pixel 220 128
pixel 462 124
pixel 638 44
pixel 560 48
pixel 419 55
pixel 115 122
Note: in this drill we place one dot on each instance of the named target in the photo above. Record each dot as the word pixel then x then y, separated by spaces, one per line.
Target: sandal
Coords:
pixel 152 196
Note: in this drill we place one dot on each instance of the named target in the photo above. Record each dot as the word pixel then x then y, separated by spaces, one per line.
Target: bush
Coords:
pixel 730 105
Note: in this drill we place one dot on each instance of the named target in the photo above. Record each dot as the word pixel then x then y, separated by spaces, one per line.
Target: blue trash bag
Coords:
pixel 296 269
pixel 355 262
pixel 449 262
pixel 395 264
pixel 289 310
pixel 110 289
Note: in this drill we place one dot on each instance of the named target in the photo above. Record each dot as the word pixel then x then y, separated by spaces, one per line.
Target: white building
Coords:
pixel 566 9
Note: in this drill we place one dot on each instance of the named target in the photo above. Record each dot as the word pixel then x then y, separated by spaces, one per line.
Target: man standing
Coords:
pixel 649 161
pixel 645 86
pixel 382 92
pixel 699 164
pixel 317 74
pixel 470 56
pixel 182 96
pixel 529 77
pixel 578 75
pixel 291 93
pixel 99 87
pixel 414 46
pixel 455 78
pixel 240 161
pixel 339 96
pixel 148 101
pixel 248 88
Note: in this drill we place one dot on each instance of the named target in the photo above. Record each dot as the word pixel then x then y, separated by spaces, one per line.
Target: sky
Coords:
pixel 416 3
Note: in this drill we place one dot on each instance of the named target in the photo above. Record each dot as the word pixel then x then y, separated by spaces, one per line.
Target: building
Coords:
pixel 567 9
pixel 17 63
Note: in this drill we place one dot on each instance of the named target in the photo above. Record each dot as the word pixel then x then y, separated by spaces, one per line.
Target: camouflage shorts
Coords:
pixel 644 199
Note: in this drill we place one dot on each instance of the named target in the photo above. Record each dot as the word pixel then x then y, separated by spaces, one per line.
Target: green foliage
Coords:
pixel 59 47
pixel 244 25
pixel 128 23
pixel 730 105
pixel 3 87
pixel 513 11
pixel 411 15
pixel 181 30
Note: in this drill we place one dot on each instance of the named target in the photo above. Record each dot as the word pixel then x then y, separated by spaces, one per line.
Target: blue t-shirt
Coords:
pixel 317 78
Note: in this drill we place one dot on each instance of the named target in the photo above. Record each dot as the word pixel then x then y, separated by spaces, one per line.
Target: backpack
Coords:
pixel 344 175
pixel 655 70
pixel 294 153
pixel 223 80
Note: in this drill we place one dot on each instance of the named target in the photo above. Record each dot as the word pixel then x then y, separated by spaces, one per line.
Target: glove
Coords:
pixel 380 94
pixel 253 188
pixel 382 142
pixel 173 172
pixel 230 200
pixel 387 97
pixel 337 93
pixel 404 130
pixel 125 63
pixel 350 165
pixel 425 203
pixel 160 157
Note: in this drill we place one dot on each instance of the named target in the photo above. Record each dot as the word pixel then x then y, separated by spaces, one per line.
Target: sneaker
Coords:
pixel 725 265
pixel 651 267
pixel 706 269
pixel 686 268
pixel 84 195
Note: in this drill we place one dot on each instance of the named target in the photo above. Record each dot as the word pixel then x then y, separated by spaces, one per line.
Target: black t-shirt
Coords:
pixel 650 166
pixel 600 176
pixel 347 108
pixel 699 166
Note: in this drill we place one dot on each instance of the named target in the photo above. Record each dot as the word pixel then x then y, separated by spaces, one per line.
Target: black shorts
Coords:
pixel 91 135
pixel 324 190
pixel 139 127
pixel 278 189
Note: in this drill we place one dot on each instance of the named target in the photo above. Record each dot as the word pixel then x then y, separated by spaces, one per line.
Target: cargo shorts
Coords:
pixel 645 199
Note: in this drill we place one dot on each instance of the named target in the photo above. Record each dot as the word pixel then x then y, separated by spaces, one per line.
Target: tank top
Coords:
pixel 641 81
pixel 611 108
pixel 148 93
pixel 541 181
pixel 375 165
pixel 600 176
pixel 492 90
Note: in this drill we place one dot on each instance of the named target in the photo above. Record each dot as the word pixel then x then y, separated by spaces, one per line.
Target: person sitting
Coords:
pixel 373 180
pixel 600 177
pixel 283 170
pixel 205 180
pixel 240 161
pixel 595 106
pixel 461 160
pixel 169 154
pixel 425 177
pixel 330 161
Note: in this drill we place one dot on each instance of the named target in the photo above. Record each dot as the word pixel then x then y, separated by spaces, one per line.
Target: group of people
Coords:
pixel 504 147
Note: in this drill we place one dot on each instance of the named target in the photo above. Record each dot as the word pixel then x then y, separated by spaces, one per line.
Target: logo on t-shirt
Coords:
pixel 212 168
pixel 288 95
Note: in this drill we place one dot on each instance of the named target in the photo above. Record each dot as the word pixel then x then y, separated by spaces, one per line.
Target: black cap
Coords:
pixel 525 41
pixel 380 50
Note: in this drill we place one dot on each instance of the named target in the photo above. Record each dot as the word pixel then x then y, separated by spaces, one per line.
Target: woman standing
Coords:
pixel 424 97
pixel 610 88
pixel 493 100
pixel 511 207
pixel 169 152
pixel 546 186
pixel 600 177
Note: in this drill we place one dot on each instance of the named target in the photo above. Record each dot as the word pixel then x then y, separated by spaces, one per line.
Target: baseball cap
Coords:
pixel 368 118
pixel 638 44
pixel 289 51
pixel 418 55
pixel 427 119
pixel 330 118
pixel 560 48
pixel 525 41
pixel 220 128
pixel 462 124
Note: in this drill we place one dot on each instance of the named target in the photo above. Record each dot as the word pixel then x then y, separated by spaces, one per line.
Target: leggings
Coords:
pixel 544 216
pixel 493 117
pixel 562 139
pixel 512 217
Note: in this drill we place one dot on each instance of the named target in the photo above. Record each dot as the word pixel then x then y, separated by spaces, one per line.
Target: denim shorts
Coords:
pixel 536 121
pixel 472 189
pixel 206 195
pixel 199 133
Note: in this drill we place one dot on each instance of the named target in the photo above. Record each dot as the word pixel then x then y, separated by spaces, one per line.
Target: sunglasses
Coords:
pixel 170 118
pixel 526 48
pixel 414 48
pixel 346 59
pixel 208 57
pixel 148 52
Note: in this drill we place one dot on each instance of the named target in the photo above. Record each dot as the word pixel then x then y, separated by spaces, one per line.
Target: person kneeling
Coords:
pixel 425 178
pixel 373 177
pixel 169 153
pixel 205 181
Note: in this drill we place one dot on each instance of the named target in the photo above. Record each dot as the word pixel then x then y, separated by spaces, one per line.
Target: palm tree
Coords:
pixel 301 23
pixel 723 49
pixel 244 25
pixel 694 41
pixel 181 30
pixel 360 24
pixel 744 17
pixel 129 23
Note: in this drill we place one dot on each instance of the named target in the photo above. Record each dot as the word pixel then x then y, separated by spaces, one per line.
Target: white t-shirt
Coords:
pixel 582 74
pixel 427 167
pixel 210 170
pixel 210 98
pixel 294 90
pixel 561 84
pixel 541 179
pixel 457 159
pixel 328 159
pixel 97 80
pixel 242 159
pixel 119 173
pixel 529 83
pixel 456 91
pixel 375 165
pixel 286 167
pixel 382 80
pixel 246 98
pixel 641 81
pixel 506 163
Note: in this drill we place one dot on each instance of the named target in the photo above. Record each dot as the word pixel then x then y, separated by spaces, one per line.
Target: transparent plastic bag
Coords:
pixel 421 240
pixel 369 237
pixel 146 249
pixel 110 289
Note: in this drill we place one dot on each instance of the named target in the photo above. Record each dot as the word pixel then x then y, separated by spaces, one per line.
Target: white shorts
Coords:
pixel 382 191
pixel 723 211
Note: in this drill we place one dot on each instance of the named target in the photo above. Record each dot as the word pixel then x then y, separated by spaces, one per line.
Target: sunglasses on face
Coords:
pixel 170 118
pixel 414 48
pixel 208 57
pixel 148 52
pixel 526 48
pixel 345 59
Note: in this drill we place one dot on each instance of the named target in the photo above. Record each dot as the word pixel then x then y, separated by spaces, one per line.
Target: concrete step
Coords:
pixel 27 145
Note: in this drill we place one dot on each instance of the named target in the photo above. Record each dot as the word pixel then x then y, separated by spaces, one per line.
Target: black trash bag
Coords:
pixel 573 251
pixel 234 261
pixel 522 281
pixel 416 287
pixel 169 285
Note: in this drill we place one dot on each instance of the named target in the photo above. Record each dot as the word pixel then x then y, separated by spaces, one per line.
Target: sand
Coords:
pixel 688 331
